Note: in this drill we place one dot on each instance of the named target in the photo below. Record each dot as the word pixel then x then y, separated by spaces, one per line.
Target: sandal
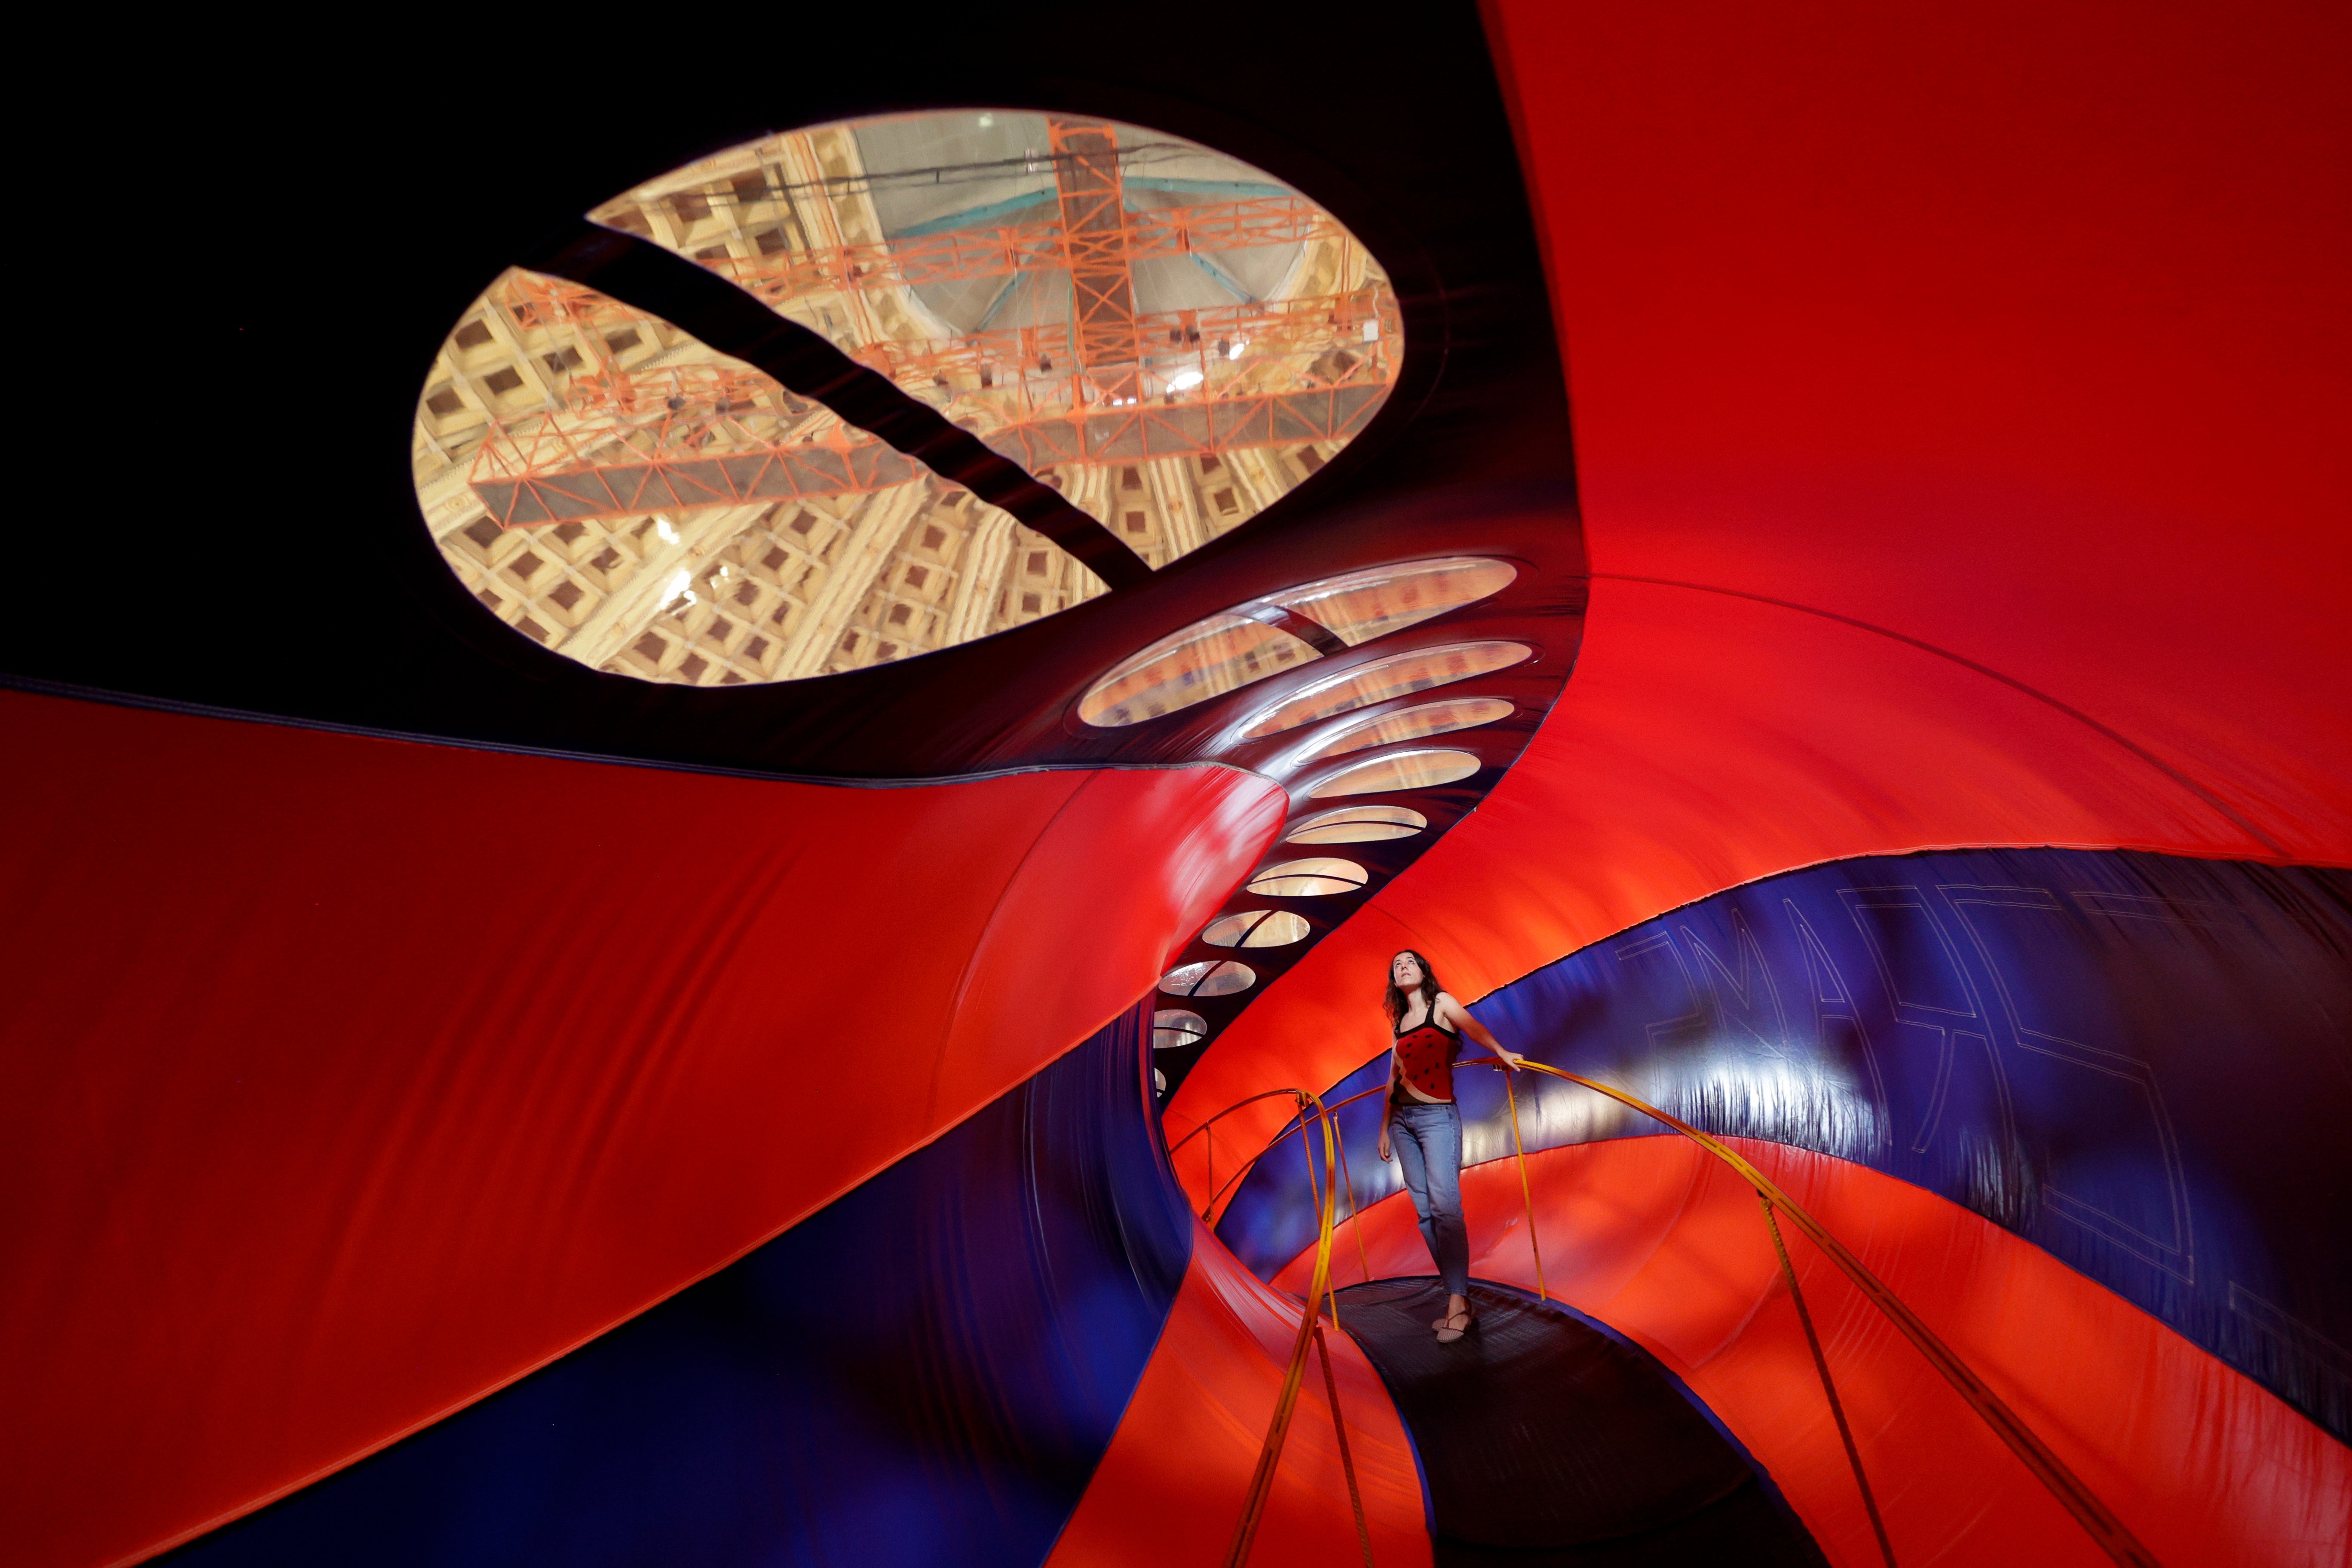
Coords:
pixel 1446 1330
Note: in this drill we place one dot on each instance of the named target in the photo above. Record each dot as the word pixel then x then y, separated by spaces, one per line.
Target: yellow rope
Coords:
pixel 1347 1462
pixel 1270 1454
pixel 1821 1365
pixel 2102 1526
pixel 1526 1193
pixel 1362 1257
pixel 1330 1132
pixel 1208 1210
pixel 2078 1500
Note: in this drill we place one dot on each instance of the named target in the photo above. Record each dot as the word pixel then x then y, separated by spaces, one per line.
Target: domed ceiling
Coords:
pixel 1170 338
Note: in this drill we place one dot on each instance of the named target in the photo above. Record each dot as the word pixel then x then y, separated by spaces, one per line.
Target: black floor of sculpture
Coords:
pixel 1545 1441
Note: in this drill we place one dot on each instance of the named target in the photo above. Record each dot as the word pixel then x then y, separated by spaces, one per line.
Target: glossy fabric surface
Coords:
pixel 1959 412
pixel 1662 777
pixel 2019 329
pixel 321 1131
pixel 926 1370
pixel 1549 1442
pixel 1170 1490
pixel 1657 1239
pixel 1959 403
pixel 2134 1061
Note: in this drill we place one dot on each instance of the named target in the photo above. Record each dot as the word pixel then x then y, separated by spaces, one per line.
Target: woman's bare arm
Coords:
pixel 1384 1102
pixel 1451 1011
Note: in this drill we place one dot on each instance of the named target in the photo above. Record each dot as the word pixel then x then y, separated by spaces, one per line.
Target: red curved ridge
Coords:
pixel 1170 1489
pixel 1978 328
pixel 1661 1241
pixel 410 1067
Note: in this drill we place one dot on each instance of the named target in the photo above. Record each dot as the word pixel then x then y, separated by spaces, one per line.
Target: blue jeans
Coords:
pixel 1427 1140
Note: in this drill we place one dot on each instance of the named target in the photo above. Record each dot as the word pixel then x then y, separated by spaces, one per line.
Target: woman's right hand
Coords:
pixel 1384 1141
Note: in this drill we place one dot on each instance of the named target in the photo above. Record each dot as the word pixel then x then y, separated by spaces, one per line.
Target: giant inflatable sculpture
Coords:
pixel 728 903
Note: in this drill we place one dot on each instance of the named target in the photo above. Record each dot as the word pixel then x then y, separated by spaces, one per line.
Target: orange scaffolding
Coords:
pixel 630 441
pixel 1111 385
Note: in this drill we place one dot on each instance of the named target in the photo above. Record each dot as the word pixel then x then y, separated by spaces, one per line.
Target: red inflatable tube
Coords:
pixel 2018 328
pixel 1660 1240
pixel 1170 1488
pixel 1959 406
pixel 349 1080
pixel 1704 741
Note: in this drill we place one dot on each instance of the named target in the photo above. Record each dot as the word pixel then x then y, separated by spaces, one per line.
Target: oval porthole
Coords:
pixel 1173 1029
pixel 626 495
pixel 1357 825
pixel 1361 605
pixel 1315 878
pixel 1411 724
pixel 1234 648
pixel 637 501
pixel 1399 770
pixel 1207 658
pixel 1400 675
pixel 1256 928
pixel 1220 977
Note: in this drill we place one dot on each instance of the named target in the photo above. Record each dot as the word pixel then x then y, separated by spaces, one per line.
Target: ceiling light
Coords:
pixel 1235 351
pixel 1184 381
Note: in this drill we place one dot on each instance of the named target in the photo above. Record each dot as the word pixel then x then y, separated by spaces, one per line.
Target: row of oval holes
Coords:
pixel 1316 877
pixel 1320 876
pixel 1173 1027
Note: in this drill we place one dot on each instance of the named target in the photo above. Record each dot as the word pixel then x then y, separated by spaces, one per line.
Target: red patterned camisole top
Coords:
pixel 1426 1052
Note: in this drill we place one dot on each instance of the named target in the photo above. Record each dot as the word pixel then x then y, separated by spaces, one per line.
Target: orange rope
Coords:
pixel 2078 1500
pixel 1526 1193
pixel 1269 1455
pixel 1347 1462
pixel 1208 1210
pixel 1329 1132
pixel 1821 1365
pixel 1252 1099
pixel 1350 1182
pixel 2102 1526
pixel 1332 1143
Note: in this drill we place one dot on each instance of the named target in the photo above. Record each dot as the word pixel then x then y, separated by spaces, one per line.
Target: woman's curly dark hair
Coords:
pixel 1394 1000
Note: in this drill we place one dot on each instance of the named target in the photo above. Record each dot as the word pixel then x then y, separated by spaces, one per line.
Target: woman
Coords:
pixel 1423 1128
